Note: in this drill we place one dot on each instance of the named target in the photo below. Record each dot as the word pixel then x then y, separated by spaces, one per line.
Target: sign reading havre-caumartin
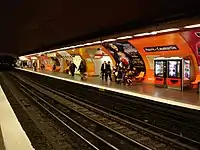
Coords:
pixel 161 48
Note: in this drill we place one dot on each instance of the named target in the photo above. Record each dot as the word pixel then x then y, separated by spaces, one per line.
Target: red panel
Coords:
pixel 159 81
pixel 174 82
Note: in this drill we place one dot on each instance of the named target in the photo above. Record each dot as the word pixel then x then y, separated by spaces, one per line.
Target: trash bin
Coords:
pixel 198 87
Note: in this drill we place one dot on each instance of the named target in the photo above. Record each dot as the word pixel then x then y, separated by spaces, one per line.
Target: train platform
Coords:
pixel 189 98
pixel 12 135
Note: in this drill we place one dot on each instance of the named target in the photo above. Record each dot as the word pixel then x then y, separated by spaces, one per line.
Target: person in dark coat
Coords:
pixel 103 70
pixel 54 67
pixel 82 69
pixel 35 66
pixel 72 68
pixel 108 71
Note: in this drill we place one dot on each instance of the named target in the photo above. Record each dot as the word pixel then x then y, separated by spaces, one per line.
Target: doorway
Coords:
pixel 99 61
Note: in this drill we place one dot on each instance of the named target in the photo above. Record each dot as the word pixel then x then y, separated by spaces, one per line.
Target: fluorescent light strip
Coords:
pixel 87 44
pixel 142 34
pixel 109 40
pixel 168 30
pixel 156 32
pixel 124 37
pixel 97 42
pixel 192 26
pixel 63 48
pixel 80 45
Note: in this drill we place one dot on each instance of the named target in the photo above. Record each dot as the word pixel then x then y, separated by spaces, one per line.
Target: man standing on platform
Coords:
pixel 103 70
pixel 108 71
pixel 72 68
pixel 34 66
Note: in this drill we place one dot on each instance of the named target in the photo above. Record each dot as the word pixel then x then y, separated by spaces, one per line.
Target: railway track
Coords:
pixel 119 132
pixel 171 121
pixel 96 135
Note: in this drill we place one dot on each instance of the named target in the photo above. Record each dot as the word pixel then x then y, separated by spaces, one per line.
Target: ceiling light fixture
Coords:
pixel 80 45
pixel 124 37
pixel 97 42
pixel 142 34
pixel 109 40
pixel 153 32
pixel 63 48
pixel 167 30
pixel 192 26
pixel 72 47
pixel 87 44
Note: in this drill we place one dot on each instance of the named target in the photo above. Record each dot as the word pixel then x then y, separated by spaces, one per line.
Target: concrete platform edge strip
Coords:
pixel 14 136
pixel 157 99
pixel 2 145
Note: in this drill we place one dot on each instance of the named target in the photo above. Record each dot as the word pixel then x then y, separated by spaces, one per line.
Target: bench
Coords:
pixel 195 83
pixel 140 77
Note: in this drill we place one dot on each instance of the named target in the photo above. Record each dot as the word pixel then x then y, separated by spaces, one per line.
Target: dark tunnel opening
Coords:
pixel 7 62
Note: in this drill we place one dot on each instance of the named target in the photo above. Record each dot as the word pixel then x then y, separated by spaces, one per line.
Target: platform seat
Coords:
pixel 195 83
pixel 140 77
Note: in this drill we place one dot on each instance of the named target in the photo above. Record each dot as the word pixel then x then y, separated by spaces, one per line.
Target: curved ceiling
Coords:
pixel 27 25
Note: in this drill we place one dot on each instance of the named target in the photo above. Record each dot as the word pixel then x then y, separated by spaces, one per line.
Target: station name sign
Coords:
pixel 161 48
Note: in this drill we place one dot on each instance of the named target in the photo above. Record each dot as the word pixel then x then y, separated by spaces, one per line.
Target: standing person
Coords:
pixel 34 66
pixel 108 71
pixel 103 70
pixel 54 67
pixel 72 68
pixel 42 67
pixel 82 69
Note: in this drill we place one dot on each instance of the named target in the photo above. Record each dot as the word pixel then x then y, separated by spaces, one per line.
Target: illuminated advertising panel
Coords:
pixel 174 69
pixel 159 68
pixel 124 52
pixel 186 69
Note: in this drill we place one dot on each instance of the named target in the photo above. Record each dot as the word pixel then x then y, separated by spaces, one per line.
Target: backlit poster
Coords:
pixel 186 69
pixel 174 69
pixel 159 68
pixel 124 52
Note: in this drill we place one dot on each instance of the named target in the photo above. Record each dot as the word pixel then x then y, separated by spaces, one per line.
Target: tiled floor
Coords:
pixel 163 94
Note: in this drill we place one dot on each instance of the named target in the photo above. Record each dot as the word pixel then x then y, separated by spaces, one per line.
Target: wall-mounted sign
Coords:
pixel 51 54
pixel 161 48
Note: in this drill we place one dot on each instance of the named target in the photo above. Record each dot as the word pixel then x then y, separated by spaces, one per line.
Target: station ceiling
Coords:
pixel 29 25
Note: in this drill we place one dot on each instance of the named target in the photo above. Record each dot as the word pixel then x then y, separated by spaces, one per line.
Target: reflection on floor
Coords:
pixel 186 97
